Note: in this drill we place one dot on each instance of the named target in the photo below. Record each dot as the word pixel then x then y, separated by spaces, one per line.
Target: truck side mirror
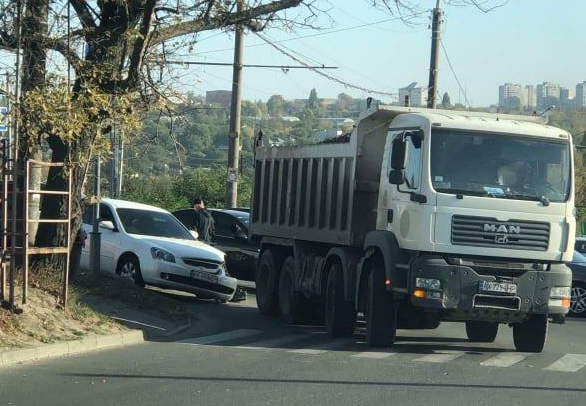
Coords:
pixel 416 138
pixel 396 177
pixel 398 156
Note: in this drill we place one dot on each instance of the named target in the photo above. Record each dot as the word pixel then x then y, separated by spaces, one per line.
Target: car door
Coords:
pixel 85 250
pixel 111 240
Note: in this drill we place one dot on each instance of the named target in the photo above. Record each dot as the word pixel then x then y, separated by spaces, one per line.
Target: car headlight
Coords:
pixel 425 283
pixel 162 255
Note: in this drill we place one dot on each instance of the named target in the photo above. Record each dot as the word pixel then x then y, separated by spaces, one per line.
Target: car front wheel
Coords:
pixel 129 268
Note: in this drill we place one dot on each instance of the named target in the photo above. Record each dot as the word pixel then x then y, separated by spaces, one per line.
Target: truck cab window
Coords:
pixel 413 168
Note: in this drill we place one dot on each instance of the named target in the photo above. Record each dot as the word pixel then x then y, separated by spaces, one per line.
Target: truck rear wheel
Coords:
pixel 381 311
pixel 481 331
pixel 267 282
pixel 294 308
pixel 340 314
pixel 531 335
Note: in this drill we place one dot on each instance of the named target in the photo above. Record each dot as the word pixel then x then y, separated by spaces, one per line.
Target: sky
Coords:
pixel 525 41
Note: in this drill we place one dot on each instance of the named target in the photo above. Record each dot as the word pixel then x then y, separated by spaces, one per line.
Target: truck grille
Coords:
pixel 488 232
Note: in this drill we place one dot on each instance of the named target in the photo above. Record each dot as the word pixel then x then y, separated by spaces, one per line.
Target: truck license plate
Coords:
pixel 205 276
pixel 498 287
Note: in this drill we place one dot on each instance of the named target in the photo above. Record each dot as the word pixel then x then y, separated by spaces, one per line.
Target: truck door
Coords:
pixel 408 216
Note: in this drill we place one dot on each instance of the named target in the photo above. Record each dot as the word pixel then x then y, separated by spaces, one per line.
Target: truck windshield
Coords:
pixel 500 166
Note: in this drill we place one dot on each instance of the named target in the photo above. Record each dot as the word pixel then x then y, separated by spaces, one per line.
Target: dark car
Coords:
pixel 231 236
pixel 578 303
pixel 580 245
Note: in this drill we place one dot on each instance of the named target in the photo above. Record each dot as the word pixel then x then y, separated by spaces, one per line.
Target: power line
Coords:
pixel 250 65
pixel 328 76
pixel 354 27
pixel 454 73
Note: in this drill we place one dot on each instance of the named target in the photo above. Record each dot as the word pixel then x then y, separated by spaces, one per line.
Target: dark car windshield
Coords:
pixel 502 166
pixel 578 258
pixel 152 223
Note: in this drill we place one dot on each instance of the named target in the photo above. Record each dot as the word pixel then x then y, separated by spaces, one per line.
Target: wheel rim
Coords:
pixel 578 303
pixel 128 271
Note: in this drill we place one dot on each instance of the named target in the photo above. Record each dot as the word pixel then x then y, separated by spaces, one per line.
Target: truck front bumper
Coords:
pixel 460 296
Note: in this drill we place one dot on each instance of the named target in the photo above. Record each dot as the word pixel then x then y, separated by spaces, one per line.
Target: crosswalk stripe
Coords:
pixel 440 357
pixel 568 363
pixel 319 349
pixel 373 354
pixel 216 338
pixel 273 342
pixel 504 359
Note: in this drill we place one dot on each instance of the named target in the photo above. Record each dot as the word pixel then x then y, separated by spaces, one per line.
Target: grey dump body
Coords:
pixel 324 193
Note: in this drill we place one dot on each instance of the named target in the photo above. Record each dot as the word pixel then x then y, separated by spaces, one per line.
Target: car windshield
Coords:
pixel 501 166
pixel 578 258
pixel 243 219
pixel 152 223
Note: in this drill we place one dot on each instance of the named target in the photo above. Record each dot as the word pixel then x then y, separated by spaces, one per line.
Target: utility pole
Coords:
pixel 95 235
pixel 434 60
pixel 234 136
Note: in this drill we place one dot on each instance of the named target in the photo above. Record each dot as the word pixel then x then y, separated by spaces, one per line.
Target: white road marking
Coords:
pixel 373 354
pixel 440 357
pixel 216 338
pixel 505 359
pixel 320 349
pixel 568 363
pixel 273 342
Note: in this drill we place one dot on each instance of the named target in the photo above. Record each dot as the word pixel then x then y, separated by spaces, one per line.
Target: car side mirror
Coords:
pixel 107 225
pixel 194 233
pixel 398 153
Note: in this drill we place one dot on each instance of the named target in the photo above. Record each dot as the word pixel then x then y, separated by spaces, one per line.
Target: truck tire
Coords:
pixel 481 331
pixel 381 311
pixel 531 335
pixel 340 314
pixel 267 282
pixel 293 306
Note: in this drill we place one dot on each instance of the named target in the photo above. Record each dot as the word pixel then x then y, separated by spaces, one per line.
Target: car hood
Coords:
pixel 184 248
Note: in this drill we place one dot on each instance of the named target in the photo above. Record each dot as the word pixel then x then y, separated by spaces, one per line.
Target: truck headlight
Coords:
pixel 429 284
pixel 560 292
pixel 559 296
pixel 162 255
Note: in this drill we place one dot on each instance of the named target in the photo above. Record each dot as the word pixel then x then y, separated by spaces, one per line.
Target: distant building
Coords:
pixel 580 98
pixel 566 99
pixel 548 94
pixel 417 95
pixel 219 97
pixel 362 104
pixel 511 96
pixel 339 121
pixel 530 99
pixel 290 119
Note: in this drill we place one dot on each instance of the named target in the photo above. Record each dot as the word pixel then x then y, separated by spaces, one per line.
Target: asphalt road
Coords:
pixel 234 356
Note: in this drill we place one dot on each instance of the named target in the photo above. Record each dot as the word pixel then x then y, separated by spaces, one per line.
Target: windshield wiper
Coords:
pixel 465 192
pixel 544 200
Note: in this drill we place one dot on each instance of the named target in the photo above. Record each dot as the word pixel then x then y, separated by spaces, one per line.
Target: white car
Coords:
pixel 151 246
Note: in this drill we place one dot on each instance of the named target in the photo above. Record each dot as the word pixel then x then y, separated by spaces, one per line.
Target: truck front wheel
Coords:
pixel 381 311
pixel 531 335
pixel 340 314
pixel 267 282
pixel 481 331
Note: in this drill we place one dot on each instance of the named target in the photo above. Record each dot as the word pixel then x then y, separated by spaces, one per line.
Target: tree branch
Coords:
pixel 60 46
pixel 199 24
pixel 7 41
pixel 141 43
pixel 84 14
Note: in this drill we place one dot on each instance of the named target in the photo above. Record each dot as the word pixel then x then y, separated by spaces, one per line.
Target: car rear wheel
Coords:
pixel 482 331
pixel 578 303
pixel 129 268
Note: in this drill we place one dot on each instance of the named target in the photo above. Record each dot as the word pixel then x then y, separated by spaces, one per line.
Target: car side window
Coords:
pixel 224 225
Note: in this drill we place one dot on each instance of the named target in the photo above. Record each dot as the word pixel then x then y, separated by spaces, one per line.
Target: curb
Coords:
pixel 84 345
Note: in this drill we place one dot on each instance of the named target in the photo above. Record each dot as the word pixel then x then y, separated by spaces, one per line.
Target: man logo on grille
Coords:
pixel 502 228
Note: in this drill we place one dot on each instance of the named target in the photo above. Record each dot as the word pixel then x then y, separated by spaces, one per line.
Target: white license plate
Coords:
pixel 204 276
pixel 498 287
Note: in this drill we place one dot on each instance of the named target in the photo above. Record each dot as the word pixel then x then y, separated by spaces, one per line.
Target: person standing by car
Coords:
pixel 203 221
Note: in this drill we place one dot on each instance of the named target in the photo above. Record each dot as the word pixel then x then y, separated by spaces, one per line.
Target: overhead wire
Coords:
pixel 454 73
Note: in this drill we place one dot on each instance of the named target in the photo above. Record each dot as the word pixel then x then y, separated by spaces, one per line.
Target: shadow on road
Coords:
pixel 329 382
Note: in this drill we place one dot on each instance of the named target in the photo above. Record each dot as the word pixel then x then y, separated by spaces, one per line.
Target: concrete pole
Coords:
pixel 432 88
pixel 96 237
pixel 234 136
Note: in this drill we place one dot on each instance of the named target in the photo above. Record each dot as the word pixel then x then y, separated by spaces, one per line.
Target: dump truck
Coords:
pixel 420 216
